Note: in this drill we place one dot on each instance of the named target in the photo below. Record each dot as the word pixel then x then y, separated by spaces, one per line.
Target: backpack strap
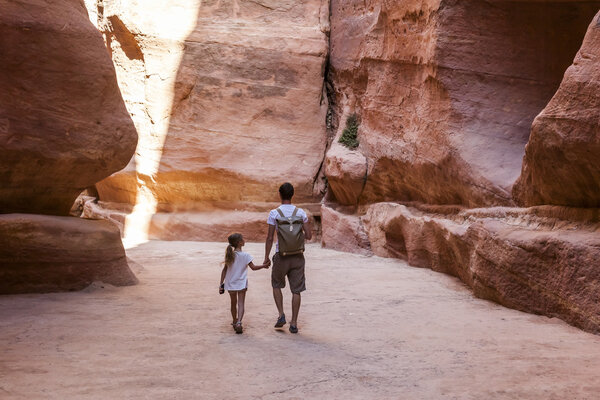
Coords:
pixel 295 211
pixel 281 212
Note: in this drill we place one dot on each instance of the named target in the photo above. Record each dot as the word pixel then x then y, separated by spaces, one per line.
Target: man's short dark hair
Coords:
pixel 286 191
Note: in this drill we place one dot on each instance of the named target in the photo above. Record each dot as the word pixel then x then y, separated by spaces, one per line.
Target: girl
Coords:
pixel 234 277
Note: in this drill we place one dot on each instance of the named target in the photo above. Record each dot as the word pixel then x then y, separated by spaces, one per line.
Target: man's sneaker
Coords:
pixel 293 329
pixel 280 322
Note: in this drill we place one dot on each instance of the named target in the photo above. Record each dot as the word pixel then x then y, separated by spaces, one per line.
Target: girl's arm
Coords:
pixel 257 267
pixel 223 275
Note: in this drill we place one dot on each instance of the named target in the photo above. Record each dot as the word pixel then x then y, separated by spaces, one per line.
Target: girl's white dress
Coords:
pixel 236 277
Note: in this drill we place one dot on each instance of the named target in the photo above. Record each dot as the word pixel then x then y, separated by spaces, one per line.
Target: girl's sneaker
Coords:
pixel 238 328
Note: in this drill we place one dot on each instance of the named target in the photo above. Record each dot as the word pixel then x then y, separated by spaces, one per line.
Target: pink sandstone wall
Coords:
pixel 446 92
pixel 227 97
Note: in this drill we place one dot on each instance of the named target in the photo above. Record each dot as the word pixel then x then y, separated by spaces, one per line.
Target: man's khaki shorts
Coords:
pixel 292 267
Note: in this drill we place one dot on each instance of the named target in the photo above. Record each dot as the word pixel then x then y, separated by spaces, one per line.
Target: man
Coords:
pixel 292 265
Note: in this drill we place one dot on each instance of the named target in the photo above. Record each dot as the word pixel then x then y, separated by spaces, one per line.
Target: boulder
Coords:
pixel 41 253
pixel 343 231
pixel 562 159
pixel 346 172
pixel 63 123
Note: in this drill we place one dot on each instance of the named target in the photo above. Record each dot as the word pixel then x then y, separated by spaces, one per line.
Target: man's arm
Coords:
pixel 307 227
pixel 269 243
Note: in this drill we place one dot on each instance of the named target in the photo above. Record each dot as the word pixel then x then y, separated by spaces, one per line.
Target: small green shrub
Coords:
pixel 349 136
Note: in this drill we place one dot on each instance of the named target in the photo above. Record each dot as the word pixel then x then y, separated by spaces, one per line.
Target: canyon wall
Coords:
pixel 458 100
pixel 227 97
pixel 446 92
pixel 63 127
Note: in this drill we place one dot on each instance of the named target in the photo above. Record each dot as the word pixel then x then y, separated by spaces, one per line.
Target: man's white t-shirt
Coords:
pixel 236 277
pixel 288 210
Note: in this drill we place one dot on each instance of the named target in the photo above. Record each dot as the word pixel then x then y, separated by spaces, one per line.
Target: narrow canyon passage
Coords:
pixel 369 328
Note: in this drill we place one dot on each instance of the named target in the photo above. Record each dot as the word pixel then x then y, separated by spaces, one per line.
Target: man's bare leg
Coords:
pixel 296 299
pixel 278 297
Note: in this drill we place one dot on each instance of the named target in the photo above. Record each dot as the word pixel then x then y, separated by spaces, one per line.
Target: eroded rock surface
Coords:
pixel 344 232
pixel 63 123
pixel 522 258
pixel 447 90
pixel 43 253
pixel 346 172
pixel 227 97
pixel 562 162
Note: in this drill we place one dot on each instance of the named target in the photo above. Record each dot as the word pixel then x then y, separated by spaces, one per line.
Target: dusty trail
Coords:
pixel 370 328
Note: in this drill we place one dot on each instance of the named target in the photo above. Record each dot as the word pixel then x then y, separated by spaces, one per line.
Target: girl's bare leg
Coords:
pixel 241 301
pixel 233 297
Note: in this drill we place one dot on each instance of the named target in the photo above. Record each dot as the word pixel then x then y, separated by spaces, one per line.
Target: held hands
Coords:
pixel 222 288
pixel 266 263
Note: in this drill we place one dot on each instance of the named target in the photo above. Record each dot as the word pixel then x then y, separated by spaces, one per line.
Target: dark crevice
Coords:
pixel 331 122
pixel 127 39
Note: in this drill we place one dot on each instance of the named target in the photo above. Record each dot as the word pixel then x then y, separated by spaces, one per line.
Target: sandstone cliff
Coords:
pixel 227 97
pixel 446 92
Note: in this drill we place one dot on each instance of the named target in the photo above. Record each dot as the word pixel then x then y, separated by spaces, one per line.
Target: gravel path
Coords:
pixel 370 328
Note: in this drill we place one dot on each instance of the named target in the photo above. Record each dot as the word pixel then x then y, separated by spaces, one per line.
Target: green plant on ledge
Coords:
pixel 349 136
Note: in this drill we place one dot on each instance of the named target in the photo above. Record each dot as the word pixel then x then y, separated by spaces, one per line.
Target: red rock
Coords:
pixel 42 253
pixel 213 225
pixel 346 172
pixel 227 97
pixel 344 232
pixel 63 123
pixel 209 226
pixel 446 91
pixel 562 161
pixel 521 258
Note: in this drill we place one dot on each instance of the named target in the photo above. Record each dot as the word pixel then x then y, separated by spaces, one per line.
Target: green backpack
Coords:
pixel 289 233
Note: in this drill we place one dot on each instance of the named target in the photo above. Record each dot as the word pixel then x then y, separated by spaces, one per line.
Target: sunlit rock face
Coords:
pixel 447 90
pixel 562 161
pixel 227 96
pixel 63 123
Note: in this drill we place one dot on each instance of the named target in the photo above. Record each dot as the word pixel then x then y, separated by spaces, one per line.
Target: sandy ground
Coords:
pixel 370 328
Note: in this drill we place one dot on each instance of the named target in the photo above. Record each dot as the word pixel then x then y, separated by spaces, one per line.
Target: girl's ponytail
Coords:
pixel 234 240
pixel 229 255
